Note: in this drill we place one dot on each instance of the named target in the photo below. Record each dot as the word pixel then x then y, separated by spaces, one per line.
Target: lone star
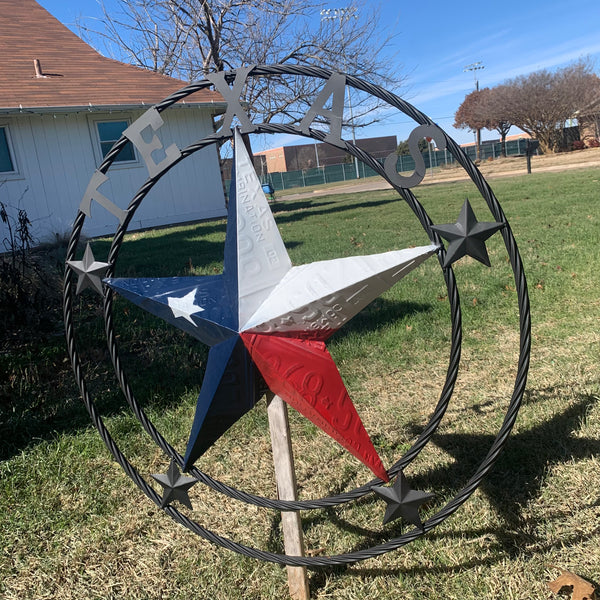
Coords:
pixel 402 501
pixel 467 236
pixel 176 486
pixel 89 271
pixel 184 307
pixel 263 317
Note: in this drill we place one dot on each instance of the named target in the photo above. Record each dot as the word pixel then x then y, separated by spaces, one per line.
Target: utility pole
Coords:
pixel 343 15
pixel 474 67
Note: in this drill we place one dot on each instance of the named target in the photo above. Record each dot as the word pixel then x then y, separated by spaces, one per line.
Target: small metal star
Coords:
pixel 89 271
pixel 402 501
pixel 176 486
pixel 467 236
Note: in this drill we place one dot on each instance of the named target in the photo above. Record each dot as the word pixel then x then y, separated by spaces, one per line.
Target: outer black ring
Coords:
pixel 525 339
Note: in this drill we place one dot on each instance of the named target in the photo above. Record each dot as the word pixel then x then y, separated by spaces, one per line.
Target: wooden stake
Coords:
pixel 285 476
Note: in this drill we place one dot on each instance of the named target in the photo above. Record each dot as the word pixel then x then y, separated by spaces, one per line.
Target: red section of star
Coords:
pixel 303 374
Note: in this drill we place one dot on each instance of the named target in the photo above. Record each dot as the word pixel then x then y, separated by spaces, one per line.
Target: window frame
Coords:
pixel 12 155
pixel 99 154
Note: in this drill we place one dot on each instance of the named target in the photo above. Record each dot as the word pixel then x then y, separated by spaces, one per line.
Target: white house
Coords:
pixel 63 105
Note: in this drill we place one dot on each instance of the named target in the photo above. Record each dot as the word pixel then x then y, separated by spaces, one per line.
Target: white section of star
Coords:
pixel 274 297
pixel 324 295
pixel 262 259
pixel 185 307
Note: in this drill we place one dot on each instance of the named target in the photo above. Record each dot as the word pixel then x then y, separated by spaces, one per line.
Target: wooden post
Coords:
pixel 285 476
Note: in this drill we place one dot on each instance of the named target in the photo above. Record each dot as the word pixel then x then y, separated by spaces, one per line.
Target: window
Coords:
pixel 7 164
pixel 108 133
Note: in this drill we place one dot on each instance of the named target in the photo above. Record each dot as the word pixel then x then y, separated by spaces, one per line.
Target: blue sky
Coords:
pixel 436 39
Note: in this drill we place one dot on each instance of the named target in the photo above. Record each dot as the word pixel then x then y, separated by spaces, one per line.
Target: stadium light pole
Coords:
pixel 342 15
pixel 474 67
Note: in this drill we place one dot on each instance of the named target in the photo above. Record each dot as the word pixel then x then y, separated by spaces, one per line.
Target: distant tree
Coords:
pixel 473 114
pixel 403 150
pixel 541 103
pixel 496 103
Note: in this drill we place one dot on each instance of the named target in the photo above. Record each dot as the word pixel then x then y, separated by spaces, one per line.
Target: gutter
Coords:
pixel 218 108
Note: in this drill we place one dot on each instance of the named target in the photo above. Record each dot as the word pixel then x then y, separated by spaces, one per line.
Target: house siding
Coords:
pixel 56 156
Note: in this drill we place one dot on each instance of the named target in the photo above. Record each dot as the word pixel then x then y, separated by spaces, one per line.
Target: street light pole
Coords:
pixel 474 67
pixel 344 14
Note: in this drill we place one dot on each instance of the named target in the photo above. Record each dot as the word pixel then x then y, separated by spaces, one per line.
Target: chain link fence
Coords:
pixel 405 163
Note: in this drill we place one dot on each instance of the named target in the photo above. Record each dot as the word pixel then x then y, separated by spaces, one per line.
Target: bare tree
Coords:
pixel 541 103
pixel 189 39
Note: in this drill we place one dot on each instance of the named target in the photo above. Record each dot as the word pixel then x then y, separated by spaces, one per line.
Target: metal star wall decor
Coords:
pixel 273 318
pixel 266 322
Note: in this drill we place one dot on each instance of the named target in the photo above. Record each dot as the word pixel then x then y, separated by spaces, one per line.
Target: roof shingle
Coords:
pixel 76 75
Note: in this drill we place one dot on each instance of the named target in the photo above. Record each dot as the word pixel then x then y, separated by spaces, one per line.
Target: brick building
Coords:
pixel 310 156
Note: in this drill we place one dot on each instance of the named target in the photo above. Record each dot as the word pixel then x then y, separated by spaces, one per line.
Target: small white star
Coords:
pixel 185 307
pixel 89 271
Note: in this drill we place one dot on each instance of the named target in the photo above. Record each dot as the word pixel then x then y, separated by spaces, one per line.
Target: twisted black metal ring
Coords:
pixel 421 214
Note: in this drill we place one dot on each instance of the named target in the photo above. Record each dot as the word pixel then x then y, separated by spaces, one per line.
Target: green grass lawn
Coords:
pixel 72 525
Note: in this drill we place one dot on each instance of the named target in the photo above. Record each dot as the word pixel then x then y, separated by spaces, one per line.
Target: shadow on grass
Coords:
pixel 176 251
pixel 281 207
pixel 161 363
pixel 173 253
pixel 302 210
pixel 379 313
pixel 518 475
pixel 516 480
pixel 493 538
pixel 495 554
pixel 48 404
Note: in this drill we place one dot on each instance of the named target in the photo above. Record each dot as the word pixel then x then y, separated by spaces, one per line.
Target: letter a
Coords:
pixel 336 87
